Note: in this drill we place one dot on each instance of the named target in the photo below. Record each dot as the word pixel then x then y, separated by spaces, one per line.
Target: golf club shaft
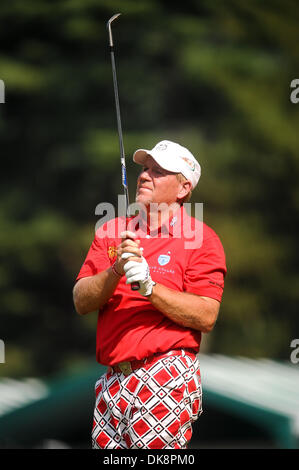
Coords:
pixel 134 285
pixel 118 117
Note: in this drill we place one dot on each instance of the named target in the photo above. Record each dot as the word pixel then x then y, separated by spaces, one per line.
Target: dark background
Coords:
pixel 214 76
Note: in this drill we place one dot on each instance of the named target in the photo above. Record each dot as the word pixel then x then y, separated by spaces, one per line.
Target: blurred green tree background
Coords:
pixel 214 76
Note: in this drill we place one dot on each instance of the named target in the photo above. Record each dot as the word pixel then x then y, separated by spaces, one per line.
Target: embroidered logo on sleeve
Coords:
pixel 112 252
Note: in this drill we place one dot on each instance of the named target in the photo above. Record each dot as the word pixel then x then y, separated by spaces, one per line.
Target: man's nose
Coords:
pixel 145 175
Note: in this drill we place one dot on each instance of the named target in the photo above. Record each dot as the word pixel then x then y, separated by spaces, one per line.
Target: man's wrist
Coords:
pixel 151 289
pixel 114 270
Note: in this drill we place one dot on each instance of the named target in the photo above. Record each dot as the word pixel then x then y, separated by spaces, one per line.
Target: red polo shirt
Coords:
pixel 187 256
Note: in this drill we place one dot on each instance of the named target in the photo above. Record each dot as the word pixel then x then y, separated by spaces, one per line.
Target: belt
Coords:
pixel 127 367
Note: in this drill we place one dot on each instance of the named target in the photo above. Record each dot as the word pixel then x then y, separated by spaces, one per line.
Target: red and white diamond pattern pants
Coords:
pixel 152 408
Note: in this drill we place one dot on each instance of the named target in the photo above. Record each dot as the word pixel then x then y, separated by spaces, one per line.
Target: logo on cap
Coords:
pixel 190 163
pixel 161 147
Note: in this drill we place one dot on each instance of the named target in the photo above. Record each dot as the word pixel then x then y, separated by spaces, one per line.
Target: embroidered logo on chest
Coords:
pixel 164 259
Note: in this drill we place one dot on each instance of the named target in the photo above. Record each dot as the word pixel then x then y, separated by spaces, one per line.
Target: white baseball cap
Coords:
pixel 172 157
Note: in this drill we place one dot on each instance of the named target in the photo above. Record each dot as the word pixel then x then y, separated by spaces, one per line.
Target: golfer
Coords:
pixel 149 338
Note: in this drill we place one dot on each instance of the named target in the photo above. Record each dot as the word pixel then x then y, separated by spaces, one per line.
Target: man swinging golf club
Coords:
pixel 149 335
pixel 150 338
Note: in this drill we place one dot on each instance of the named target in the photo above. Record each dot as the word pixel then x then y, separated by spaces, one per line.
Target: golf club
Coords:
pixel 134 285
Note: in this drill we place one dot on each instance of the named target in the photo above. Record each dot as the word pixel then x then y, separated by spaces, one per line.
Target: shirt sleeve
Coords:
pixel 206 269
pixel 97 258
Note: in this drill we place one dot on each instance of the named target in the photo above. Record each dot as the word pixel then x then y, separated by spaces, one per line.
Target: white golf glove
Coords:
pixel 138 272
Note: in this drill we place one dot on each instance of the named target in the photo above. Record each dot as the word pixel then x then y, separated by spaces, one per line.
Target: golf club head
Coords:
pixel 109 27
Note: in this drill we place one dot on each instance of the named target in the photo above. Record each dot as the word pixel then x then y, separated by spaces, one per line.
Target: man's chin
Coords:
pixel 143 200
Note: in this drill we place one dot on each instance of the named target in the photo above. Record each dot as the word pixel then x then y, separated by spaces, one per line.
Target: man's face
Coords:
pixel 156 185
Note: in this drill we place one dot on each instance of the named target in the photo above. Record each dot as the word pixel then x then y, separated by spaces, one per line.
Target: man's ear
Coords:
pixel 185 188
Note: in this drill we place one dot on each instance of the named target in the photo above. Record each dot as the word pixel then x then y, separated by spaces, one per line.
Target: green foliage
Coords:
pixel 214 76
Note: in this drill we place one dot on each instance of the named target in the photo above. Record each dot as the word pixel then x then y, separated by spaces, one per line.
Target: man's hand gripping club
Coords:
pixel 136 269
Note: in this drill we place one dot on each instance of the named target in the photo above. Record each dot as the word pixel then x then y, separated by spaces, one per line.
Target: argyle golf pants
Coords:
pixel 152 408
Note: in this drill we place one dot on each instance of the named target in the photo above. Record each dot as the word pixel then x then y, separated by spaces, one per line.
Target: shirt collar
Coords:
pixel 167 227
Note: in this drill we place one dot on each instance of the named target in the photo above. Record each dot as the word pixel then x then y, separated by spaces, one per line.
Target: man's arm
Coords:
pixel 186 309
pixel 91 293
